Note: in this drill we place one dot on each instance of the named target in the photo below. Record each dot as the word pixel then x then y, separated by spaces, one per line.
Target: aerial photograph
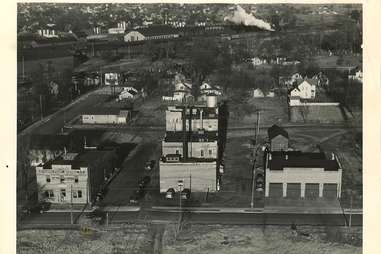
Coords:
pixel 189 128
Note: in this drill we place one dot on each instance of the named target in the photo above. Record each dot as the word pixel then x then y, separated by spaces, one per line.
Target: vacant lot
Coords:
pixel 319 114
pixel 156 238
pixel 273 111
pixel 248 239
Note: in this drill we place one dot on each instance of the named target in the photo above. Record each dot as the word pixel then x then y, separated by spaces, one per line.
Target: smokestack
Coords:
pixel 202 124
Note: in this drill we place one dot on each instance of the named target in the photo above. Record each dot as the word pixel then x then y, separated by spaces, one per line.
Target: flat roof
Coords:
pixel 297 159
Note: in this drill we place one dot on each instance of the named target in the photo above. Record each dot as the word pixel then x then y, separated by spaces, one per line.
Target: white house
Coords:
pixel 182 90
pixel 304 89
pixel 298 175
pixel 206 89
pixel 258 93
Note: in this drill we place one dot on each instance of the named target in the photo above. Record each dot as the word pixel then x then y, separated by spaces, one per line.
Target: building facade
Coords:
pixel 297 175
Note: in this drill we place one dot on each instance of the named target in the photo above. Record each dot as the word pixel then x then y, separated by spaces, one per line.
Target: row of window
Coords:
pixel 75 193
pixel 62 179
pixel 201 152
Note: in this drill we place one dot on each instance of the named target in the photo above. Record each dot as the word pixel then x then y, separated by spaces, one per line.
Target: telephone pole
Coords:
pixel 257 127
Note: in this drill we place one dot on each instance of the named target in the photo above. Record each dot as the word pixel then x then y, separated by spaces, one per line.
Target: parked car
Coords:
pixel 170 193
pixel 143 182
pixel 150 165
pixel 185 194
pixel 36 208
pixel 259 182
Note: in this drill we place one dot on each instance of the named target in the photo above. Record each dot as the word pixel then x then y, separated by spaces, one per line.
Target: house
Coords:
pixel 304 89
pixel 53 88
pixel 106 116
pixel 256 61
pixel 156 32
pixel 128 93
pixel 300 175
pixel 257 93
pixel 278 138
pixel 74 178
pixel 206 89
pixel 182 90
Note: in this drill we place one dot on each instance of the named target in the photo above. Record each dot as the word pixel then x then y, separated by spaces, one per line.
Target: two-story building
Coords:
pixel 303 89
pixel 74 178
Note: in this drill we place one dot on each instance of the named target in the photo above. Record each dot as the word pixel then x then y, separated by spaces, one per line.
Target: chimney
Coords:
pixel 332 156
pixel 270 157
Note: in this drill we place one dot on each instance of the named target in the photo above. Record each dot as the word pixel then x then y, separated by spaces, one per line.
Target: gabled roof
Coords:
pixel 275 131
pixel 308 80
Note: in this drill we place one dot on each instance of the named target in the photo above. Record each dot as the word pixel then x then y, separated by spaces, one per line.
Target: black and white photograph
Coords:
pixel 189 128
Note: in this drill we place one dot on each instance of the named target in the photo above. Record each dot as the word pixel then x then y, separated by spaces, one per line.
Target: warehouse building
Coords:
pixel 106 116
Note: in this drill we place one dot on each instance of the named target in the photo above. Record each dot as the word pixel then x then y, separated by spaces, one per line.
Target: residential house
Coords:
pixel 206 89
pixel 74 178
pixel 182 90
pixel 303 89
pixel 298 175
pixel 278 138
pixel 356 75
pixel 257 93
pixel 128 93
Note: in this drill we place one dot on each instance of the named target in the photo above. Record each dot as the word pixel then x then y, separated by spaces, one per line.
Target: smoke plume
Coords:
pixel 241 17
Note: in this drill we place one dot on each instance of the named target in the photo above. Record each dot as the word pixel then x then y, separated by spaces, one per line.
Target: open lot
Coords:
pixel 273 111
pixel 319 114
pixel 162 238
pixel 248 239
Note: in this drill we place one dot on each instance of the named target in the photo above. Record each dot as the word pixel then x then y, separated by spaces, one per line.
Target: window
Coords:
pixel 202 153
pixel 74 194
pixel 49 194
pixel 63 192
pixel 210 152
pixel 48 179
pixel 76 179
pixel 79 194
pixel 177 151
pixel 62 179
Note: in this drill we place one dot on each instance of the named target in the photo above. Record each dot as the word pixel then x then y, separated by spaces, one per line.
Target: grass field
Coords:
pixel 248 239
pixel 161 238
pixel 319 114
pixel 273 111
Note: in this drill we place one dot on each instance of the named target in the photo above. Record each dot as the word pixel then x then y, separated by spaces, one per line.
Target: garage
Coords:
pixel 276 190
pixel 293 190
pixel 311 191
pixel 330 190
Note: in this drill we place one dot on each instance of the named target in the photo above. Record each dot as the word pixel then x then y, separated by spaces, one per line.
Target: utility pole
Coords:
pixel 41 106
pixel 71 204
pixel 257 127
pixel 253 178
pixel 350 211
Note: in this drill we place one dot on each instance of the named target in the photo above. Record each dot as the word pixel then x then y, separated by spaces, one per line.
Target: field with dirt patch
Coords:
pixel 320 114
pixel 248 239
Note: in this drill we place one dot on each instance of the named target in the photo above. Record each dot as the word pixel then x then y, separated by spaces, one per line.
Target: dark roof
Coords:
pixel 85 159
pixel 157 30
pixel 102 111
pixel 275 130
pixel 49 142
pixel 208 136
pixel 298 159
